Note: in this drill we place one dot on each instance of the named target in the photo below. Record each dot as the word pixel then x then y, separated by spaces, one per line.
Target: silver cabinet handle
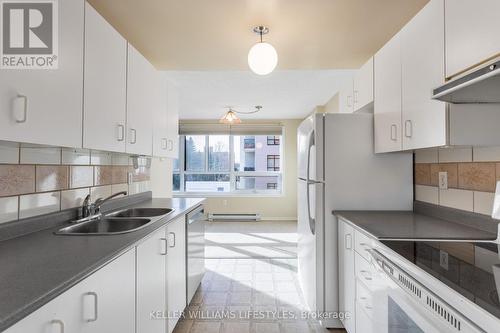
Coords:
pixel 408 129
pixel 133 134
pixel 366 275
pixel 348 242
pixel 60 323
pixel 121 132
pixel 170 145
pixel 173 243
pixel 96 311
pixel 164 143
pixel 163 246
pixel 394 132
pixel 20 108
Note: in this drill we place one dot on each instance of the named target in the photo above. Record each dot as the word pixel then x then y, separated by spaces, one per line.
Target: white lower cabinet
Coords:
pixel 347 279
pixel 151 287
pixel 102 303
pixel 363 321
pixel 176 270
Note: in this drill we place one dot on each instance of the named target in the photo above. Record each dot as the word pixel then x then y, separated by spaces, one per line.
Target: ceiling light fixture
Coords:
pixel 262 57
pixel 230 118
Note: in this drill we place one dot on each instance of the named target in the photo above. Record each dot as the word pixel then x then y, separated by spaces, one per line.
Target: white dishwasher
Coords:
pixel 195 240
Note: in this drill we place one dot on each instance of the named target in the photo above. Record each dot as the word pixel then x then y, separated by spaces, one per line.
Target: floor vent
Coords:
pixel 234 217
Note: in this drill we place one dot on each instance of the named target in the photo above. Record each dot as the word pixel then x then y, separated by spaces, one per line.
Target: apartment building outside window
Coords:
pixel 273 140
pixel 221 164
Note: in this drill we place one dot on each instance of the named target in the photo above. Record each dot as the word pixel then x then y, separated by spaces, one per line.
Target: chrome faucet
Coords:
pixel 93 210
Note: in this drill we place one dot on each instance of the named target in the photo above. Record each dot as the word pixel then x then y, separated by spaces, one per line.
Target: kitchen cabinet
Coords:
pixel 102 303
pixel 151 290
pixel 387 94
pixel 166 118
pixel 471 33
pixel 105 82
pixel 347 279
pixel 176 270
pixel 422 59
pixel 363 322
pixel 44 106
pixel 141 81
pixel 363 87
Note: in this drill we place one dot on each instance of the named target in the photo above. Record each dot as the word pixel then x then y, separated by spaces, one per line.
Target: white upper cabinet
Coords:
pixel 471 33
pixel 141 82
pixel 387 104
pixel 422 59
pixel 166 119
pixel 105 85
pixel 346 98
pixel 363 87
pixel 44 106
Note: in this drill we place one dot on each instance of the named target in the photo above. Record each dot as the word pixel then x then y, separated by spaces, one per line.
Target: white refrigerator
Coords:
pixel 338 170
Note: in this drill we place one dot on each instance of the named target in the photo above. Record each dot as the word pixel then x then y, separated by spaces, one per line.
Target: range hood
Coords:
pixel 477 87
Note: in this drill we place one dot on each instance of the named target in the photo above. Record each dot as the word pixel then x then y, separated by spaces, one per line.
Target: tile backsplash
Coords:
pixel 472 176
pixel 36 180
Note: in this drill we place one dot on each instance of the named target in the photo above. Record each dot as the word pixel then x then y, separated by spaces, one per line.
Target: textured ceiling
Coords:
pixel 216 34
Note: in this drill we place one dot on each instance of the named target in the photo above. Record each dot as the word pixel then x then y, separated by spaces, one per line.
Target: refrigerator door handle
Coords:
pixel 312 222
pixel 309 146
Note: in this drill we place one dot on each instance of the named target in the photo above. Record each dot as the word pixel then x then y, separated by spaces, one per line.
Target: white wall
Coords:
pixel 161 177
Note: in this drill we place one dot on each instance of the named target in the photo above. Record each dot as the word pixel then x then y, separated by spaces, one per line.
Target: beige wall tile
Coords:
pixel 428 194
pixel 450 168
pixel 8 209
pixel 119 188
pixel 81 176
pixel 447 155
pixel 486 154
pixel 120 174
pixel 16 179
pixel 141 174
pixel 100 158
pixel 75 156
pixel 483 202
pixel 51 177
pixel 139 187
pixel 120 159
pixel 100 192
pixel 459 199
pixel 423 174
pixel 103 175
pixel 73 198
pixel 426 155
pixel 38 204
pixel 40 155
pixel 9 152
pixel 477 176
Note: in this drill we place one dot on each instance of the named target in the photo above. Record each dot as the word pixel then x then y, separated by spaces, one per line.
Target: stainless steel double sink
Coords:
pixel 120 222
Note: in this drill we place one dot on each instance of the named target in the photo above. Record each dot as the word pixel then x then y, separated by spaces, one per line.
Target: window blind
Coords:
pixel 222 129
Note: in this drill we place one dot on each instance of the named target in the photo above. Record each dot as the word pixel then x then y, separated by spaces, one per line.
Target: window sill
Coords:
pixel 225 195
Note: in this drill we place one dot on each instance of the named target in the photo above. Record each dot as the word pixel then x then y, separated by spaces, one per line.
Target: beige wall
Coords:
pixel 271 208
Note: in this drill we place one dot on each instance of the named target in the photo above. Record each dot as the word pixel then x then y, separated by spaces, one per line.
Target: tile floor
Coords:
pixel 248 295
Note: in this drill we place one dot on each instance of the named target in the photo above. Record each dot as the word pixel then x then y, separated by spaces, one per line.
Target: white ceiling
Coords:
pixel 283 94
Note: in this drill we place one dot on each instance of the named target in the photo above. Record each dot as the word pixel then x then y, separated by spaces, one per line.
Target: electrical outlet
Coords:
pixel 130 177
pixel 443 259
pixel 443 180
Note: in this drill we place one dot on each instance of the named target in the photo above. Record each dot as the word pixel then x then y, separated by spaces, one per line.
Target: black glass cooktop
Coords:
pixel 469 268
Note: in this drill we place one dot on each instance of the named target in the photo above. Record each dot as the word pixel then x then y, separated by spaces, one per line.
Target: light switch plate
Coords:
pixel 443 180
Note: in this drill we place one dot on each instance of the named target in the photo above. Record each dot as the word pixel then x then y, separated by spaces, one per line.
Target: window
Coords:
pixel 273 140
pixel 227 163
pixel 273 163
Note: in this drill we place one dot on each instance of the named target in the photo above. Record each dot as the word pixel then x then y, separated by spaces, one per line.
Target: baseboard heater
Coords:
pixel 234 217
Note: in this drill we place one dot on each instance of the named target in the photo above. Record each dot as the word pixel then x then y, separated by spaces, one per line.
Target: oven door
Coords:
pixel 401 304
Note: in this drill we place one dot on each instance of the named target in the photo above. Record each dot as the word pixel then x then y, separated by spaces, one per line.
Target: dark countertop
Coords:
pixel 400 225
pixel 38 267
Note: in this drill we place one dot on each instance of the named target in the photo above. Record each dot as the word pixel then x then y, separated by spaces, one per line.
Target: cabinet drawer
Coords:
pixel 364 323
pixel 364 298
pixel 362 244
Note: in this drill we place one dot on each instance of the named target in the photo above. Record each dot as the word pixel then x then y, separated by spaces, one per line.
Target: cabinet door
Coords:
pixel 108 297
pixel 141 79
pixel 346 99
pixel 387 104
pixel 105 84
pixel 151 291
pixel 363 86
pixel 471 33
pixel 176 270
pixel 53 98
pixel 347 281
pixel 173 120
pixel 422 58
